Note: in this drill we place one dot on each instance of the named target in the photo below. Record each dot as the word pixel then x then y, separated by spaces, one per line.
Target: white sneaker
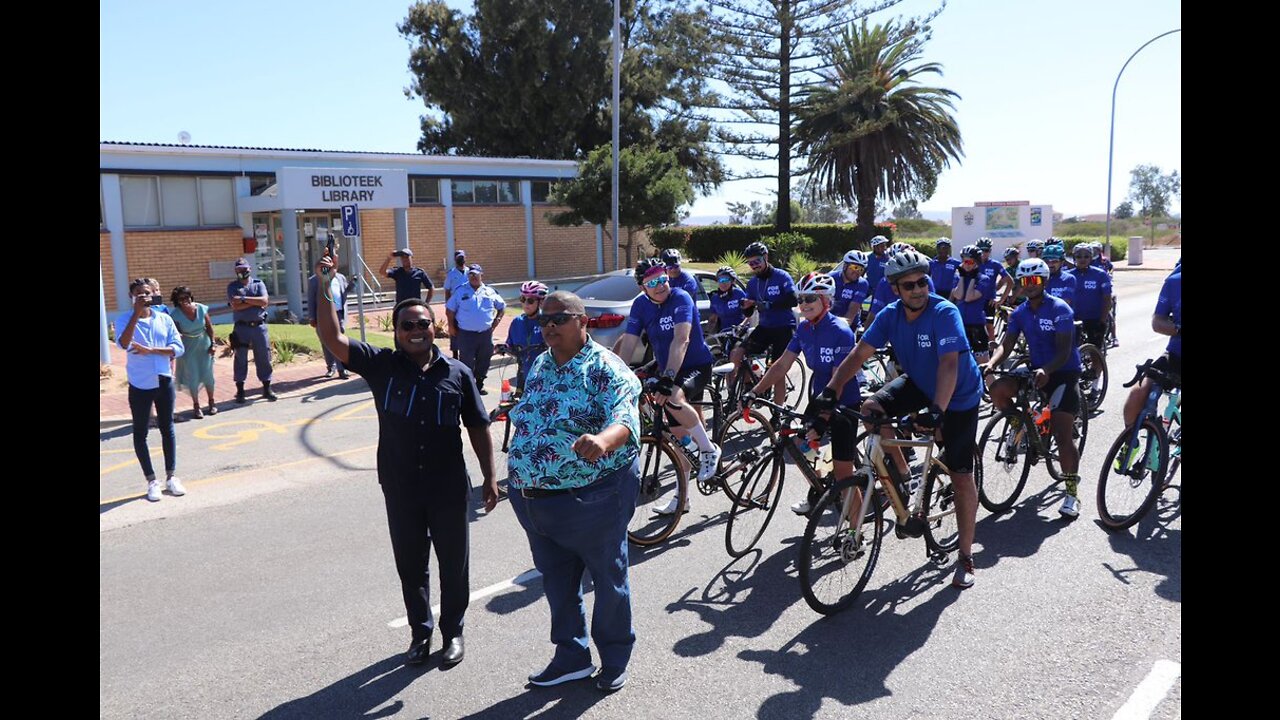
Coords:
pixel 671 507
pixel 153 490
pixel 173 486
pixel 1070 507
pixel 710 463
pixel 801 508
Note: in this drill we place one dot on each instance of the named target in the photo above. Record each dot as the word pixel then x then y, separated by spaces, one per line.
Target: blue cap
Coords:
pixel 475 269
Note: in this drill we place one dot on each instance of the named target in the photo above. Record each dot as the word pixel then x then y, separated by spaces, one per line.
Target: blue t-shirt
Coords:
pixel 660 322
pixel 728 307
pixel 825 345
pixel 974 312
pixel 255 288
pixel 1062 286
pixel 1041 328
pixel 524 331
pixel 687 283
pixel 920 344
pixel 884 294
pixel 1092 284
pixel 409 283
pixel 992 270
pixel 875 268
pixel 772 290
pixel 943 274
pixel 1169 304
pixel 848 293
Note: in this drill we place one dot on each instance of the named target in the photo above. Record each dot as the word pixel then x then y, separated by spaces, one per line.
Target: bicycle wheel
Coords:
pixel 837 558
pixel 797 384
pixel 1129 486
pixel 662 478
pixel 1080 432
pixel 757 500
pixel 1093 377
pixel 941 525
pixel 739 434
pixel 1003 461
pixel 875 373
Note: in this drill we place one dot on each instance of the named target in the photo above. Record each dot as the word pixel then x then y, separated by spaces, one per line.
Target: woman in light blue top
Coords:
pixel 152 341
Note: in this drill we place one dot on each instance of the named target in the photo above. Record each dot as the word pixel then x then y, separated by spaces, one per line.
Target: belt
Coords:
pixel 250 323
pixel 543 492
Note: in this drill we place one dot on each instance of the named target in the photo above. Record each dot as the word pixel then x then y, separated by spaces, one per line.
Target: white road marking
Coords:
pixel 493 589
pixel 1150 691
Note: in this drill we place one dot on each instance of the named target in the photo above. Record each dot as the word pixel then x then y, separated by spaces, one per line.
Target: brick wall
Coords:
pixel 494 237
pixel 108 268
pixel 565 251
pixel 426 237
pixel 177 257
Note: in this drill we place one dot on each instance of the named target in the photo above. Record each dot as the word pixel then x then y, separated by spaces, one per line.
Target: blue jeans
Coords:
pixel 585 529
pixel 140 403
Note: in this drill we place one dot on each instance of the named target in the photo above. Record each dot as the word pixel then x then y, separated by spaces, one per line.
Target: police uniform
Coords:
pixel 474 311
pixel 423 475
pixel 251 331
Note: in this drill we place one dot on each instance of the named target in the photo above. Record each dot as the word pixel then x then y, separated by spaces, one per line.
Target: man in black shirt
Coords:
pixel 423 400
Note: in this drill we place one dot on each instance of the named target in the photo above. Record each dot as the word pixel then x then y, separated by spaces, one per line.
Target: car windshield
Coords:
pixel 615 288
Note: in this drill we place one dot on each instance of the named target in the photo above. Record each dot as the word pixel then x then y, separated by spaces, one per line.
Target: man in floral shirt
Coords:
pixel 573 487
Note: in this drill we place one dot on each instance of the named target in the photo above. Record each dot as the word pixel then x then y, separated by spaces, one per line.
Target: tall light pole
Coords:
pixel 1111 148
pixel 617 91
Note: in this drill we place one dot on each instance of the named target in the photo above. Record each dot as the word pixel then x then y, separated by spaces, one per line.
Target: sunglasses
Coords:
pixel 908 286
pixel 411 325
pixel 1031 281
pixel 806 299
pixel 725 279
pixel 556 319
pixel 659 280
pixel 530 300
pixel 755 262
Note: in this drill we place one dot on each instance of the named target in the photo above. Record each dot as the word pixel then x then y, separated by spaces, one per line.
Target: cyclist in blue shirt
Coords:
pixel 1099 260
pixel 883 294
pixel 1035 248
pixel 1048 324
pixel 1093 296
pixel 1002 285
pixel 970 297
pixel 679 278
pixel 875 263
pixel 851 288
pixel 524 335
pixel 726 301
pixel 670 318
pixel 825 339
pixel 941 375
pixel 1062 284
pixel 772 292
pixel 942 269
pixel 1166 320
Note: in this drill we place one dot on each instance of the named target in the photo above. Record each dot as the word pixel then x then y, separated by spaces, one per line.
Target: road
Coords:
pixel 269 591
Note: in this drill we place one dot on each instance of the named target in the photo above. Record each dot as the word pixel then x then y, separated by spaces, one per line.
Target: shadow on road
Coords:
pixel 357 695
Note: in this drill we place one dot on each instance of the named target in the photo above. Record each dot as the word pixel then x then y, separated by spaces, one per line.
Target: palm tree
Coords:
pixel 873 131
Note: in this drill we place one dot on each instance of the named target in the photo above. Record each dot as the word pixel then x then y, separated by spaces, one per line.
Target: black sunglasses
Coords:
pixel 556 319
pixel 908 286
pixel 411 325
pixel 809 298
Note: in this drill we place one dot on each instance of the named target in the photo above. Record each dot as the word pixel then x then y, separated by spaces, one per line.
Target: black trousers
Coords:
pixel 418 517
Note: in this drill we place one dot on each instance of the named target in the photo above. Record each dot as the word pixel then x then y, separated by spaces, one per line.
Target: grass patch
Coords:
pixel 290 341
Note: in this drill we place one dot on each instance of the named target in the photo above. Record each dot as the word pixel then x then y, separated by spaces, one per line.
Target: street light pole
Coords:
pixel 617 88
pixel 1111 148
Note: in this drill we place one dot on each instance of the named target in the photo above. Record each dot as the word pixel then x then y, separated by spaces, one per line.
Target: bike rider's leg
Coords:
pixel 869 406
pixel 1002 392
pixel 1137 398
pixel 735 357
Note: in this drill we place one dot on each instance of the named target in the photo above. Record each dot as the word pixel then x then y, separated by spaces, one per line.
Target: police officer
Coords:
pixel 454 279
pixel 423 400
pixel 474 311
pixel 409 280
pixel 248 299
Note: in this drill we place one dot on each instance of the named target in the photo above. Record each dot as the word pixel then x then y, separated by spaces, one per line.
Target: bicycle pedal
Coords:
pixel 914 527
pixel 940 559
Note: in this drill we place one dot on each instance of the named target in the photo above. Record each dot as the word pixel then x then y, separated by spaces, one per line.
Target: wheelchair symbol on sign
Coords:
pixel 350 220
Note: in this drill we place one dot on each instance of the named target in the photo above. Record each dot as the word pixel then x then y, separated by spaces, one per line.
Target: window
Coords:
pixel 486 192
pixel 540 190
pixel 177 201
pixel 463 191
pixel 259 184
pixel 424 191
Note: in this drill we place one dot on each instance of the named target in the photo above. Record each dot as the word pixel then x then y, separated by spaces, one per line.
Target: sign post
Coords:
pixel 351 228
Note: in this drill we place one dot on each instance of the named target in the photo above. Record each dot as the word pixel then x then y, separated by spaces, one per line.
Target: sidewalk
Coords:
pixel 291 380
pixel 1153 258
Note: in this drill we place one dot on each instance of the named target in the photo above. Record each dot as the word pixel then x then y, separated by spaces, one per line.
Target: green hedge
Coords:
pixel 705 243
pixel 1119 246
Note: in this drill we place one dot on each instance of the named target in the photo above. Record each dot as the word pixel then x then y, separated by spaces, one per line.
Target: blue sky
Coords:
pixel 1035 79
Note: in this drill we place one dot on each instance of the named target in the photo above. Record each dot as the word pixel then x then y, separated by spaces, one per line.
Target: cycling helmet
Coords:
pixel 879 240
pixel 726 270
pixel 1037 245
pixel 1053 241
pixel 1082 249
pixel 756 248
pixel 1010 252
pixel 1035 267
pixel 984 244
pixel 971 252
pixel 670 256
pixel 1053 252
pixel 856 257
pixel 533 288
pixel 942 241
pixel 648 266
pixel 905 262
pixel 900 247
pixel 816 283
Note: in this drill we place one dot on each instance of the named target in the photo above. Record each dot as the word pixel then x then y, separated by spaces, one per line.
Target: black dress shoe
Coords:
pixel 453 652
pixel 418 651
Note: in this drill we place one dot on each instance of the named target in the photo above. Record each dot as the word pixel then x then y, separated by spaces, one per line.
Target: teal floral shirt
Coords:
pixel 592 391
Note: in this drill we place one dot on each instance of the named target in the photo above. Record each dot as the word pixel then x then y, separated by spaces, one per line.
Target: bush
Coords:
pixel 801 265
pixel 1119 246
pixel 704 243
pixel 783 245
pixel 933 229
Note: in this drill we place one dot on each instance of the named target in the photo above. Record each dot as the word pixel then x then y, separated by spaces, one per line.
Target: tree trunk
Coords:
pixel 866 214
pixel 782 218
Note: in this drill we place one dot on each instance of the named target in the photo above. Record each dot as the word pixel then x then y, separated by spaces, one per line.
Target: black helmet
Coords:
pixel 984 244
pixel 972 252
pixel 756 248
pixel 645 265
pixel 726 270
pixel 670 256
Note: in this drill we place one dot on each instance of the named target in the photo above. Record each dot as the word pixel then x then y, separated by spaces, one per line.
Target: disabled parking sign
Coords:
pixel 351 220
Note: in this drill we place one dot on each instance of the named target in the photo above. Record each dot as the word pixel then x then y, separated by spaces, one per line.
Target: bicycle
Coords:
pixel 1094 375
pixel 837 555
pixel 1014 440
pixel 1142 453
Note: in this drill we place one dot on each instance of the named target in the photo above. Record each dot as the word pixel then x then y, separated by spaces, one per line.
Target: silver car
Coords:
pixel 608 299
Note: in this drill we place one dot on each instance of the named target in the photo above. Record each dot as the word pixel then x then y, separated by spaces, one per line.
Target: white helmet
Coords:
pixel 856 257
pixel 816 283
pixel 905 262
pixel 1033 267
